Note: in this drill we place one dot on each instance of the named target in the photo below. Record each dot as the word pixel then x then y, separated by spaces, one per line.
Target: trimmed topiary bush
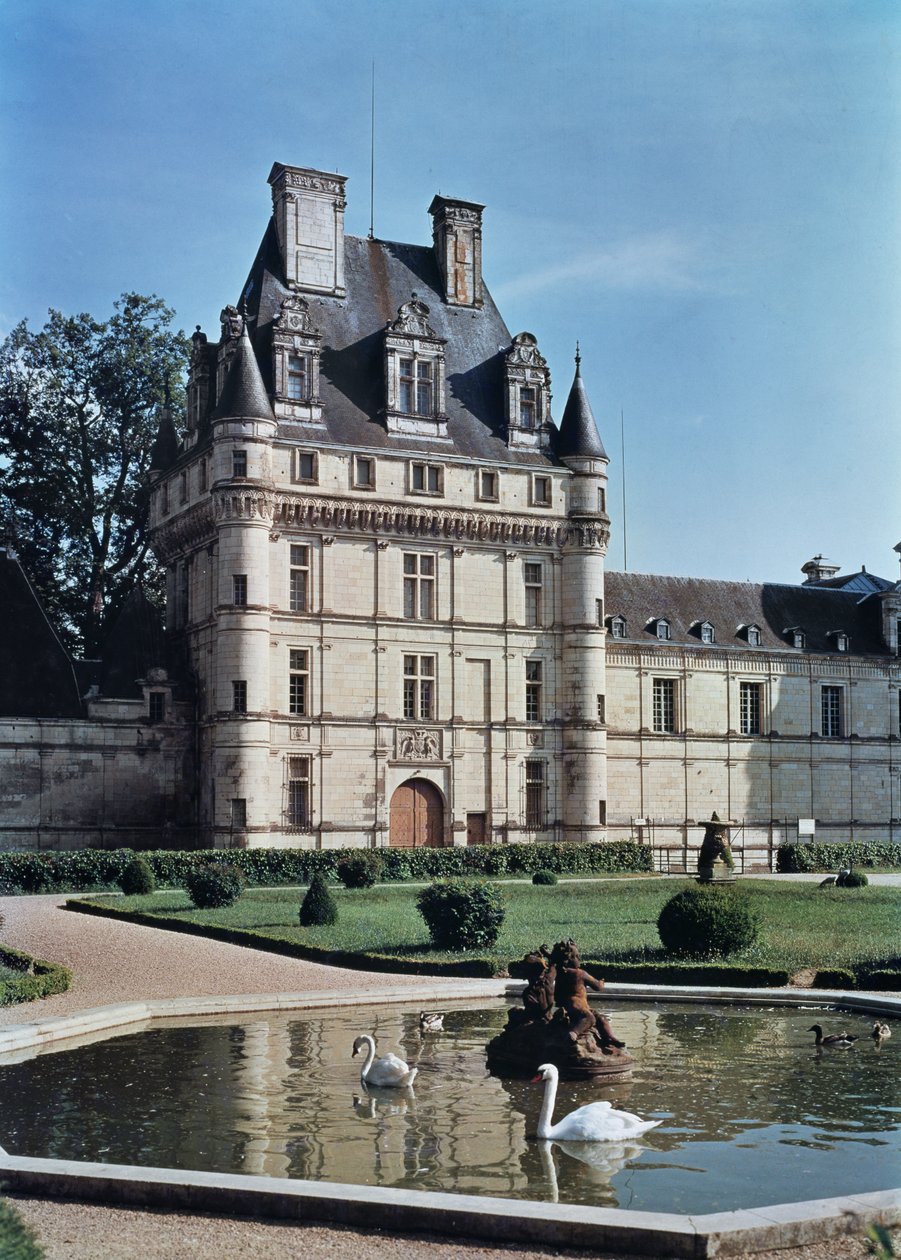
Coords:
pixel 137 878
pixel 706 922
pixel 213 885
pixel 851 879
pixel 359 870
pixel 17 1241
pixel 461 915
pixel 543 876
pixel 318 906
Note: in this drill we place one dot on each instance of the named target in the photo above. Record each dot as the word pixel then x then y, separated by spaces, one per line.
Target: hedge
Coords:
pixel 98 870
pixel 37 979
pixel 829 858
pixel 884 979
pixel 693 973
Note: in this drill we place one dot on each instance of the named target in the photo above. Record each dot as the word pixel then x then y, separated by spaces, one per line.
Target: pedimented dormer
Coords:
pixel 414 374
pixel 296 350
pixel 527 383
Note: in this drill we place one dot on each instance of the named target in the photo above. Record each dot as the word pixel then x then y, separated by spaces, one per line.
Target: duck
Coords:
pixel 881 1031
pixel 431 1021
pixel 595 1122
pixel 388 1072
pixel 838 1041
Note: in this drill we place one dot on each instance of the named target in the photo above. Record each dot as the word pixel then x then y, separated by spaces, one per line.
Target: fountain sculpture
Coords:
pixel 715 863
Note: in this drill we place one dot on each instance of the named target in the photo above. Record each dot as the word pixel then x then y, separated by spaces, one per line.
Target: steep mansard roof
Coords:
pixel 379 277
pixel 686 603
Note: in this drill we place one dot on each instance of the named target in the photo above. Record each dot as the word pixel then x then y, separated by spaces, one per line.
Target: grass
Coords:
pixel 802 925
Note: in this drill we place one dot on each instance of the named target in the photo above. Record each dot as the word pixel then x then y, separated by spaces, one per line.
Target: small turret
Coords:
pixel 244 395
pixel 578 434
pixel 165 445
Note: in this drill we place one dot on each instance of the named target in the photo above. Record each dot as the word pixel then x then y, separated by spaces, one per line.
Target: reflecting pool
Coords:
pixel 752 1114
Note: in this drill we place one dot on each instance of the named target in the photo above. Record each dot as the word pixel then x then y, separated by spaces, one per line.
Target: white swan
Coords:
pixel 595 1122
pixel 388 1072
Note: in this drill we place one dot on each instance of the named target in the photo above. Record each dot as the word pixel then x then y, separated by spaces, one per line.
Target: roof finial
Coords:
pixel 578 356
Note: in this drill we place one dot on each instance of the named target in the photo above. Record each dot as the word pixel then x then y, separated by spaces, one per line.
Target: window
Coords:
pixel 602 709
pixel 299 795
pixel 419 687
pixel 239 463
pixel 602 499
pixel 299 579
pixel 618 627
pixel 708 633
pixel 239 813
pixel 799 638
pixel 305 466
pixel 533 691
pixel 541 491
pixel 663 629
pixel 164 497
pixel 841 643
pixel 298 377
pixel 898 637
pixel 156 703
pixel 416 387
pixel 427 478
pixel 419 586
pixel 204 473
pixel 183 487
pixel 664 707
pixel 753 636
pixel 749 708
pixel 831 704
pixel 488 483
pixel 528 407
pixel 364 473
pixel 599 612
pixel 239 696
pixel 602 813
pixel 239 588
pixel 533 582
pixel 536 795
pixel 298 681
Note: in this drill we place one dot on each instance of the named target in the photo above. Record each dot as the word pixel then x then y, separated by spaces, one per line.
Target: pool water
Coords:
pixel 751 1113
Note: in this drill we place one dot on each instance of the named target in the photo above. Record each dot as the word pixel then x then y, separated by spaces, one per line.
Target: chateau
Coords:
pixel 386 612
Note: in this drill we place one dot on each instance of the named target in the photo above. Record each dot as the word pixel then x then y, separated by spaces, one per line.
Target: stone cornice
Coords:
pixel 185 532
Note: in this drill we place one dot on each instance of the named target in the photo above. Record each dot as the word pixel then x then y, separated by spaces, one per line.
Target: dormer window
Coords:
pixel 752 634
pixel 618 627
pixel 661 628
pixel 414 374
pixel 296 347
pixel 528 388
pixel 840 639
pixel 796 636
pixel 707 632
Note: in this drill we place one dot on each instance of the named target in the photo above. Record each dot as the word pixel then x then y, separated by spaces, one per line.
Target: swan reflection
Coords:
pixel 603 1159
pixel 375 1103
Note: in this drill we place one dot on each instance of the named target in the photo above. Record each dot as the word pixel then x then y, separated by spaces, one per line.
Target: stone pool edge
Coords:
pixel 649 1233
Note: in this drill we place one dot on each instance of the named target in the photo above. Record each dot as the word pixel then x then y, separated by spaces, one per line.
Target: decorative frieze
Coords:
pixel 418 744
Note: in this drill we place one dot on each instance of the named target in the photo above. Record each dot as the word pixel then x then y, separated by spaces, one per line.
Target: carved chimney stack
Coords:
pixel 457 233
pixel 308 207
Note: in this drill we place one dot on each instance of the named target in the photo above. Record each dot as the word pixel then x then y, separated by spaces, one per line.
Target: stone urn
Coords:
pixel 715 863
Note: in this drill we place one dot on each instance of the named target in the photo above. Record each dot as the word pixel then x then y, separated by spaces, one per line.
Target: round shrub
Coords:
pixel 851 879
pixel 462 915
pixel 359 870
pixel 17 1241
pixel 543 876
pixel 137 879
pixel 705 921
pixel 318 906
pixel 214 884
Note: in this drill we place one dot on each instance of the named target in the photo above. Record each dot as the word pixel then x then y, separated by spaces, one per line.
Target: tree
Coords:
pixel 79 411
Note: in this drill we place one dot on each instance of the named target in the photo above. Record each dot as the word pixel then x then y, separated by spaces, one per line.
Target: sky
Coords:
pixel 704 194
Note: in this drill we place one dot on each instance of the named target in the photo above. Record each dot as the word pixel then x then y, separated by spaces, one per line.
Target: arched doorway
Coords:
pixel 417 816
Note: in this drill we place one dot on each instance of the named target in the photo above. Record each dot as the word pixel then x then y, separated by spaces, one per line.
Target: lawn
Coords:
pixel 802 924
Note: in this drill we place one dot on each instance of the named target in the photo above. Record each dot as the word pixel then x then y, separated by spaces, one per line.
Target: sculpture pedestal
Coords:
pixel 522 1047
pixel 716 872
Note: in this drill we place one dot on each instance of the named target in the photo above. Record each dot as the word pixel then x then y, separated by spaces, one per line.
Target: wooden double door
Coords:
pixel 417 816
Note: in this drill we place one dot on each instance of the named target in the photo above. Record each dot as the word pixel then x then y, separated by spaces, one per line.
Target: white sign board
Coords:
pixel 807 827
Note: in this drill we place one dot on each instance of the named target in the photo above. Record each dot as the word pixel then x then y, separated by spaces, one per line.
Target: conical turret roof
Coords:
pixel 244 394
pixel 165 445
pixel 578 431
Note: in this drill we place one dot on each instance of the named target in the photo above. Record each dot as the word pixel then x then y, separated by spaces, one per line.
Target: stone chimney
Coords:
pixel 819 569
pixel 457 233
pixel 308 208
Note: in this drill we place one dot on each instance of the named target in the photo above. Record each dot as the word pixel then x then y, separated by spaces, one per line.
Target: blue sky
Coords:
pixel 706 194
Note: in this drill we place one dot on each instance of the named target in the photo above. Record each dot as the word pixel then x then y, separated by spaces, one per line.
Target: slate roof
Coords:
pixel 731 606
pixel 379 277
pixel 135 644
pixel 36 675
pixel 578 431
pixel 243 392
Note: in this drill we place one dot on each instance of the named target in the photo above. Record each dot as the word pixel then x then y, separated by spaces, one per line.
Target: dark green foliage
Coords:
pixel 359 870
pixel 460 915
pixel 851 879
pixel 885 979
pixel 36 978
pixel 832 857
pixel 543 876
pixel 214 884
pixel 79 413
pixel 695 973
pixel 90 870
pixel 704 921
pixel 834 978
pixel 137 879
pixel 318 907
pixel 17 1242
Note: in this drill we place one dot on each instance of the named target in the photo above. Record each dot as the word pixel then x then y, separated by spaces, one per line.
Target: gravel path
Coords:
pixel 117 962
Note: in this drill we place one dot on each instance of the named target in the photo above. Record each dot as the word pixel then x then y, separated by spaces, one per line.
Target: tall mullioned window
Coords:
pixel 299 794
pixel 664 705
pixel 532 578
pixel 299 681
pixel 299 579
pixel 528 407
pixel 533 691
pixel 536 794
pixel 416 392
pixel 239 463
pixel 831 712
pixel 419 687
pixel 419 585
pixel 239 588
pixel 749 708
pixel 239 696
pixel 298 377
